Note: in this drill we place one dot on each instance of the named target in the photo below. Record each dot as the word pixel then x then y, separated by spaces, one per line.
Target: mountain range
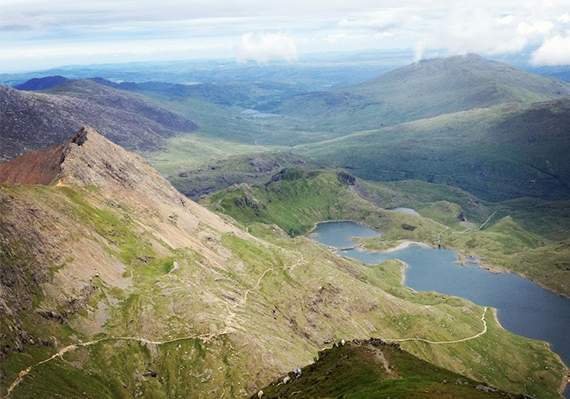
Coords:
pixel 421 90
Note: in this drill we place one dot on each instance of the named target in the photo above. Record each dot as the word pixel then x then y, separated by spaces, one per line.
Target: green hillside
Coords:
pixel 495 153
pixel 114 285
pixel 514 238
pixel 376 370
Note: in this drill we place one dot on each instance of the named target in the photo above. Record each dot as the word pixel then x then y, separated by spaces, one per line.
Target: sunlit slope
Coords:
pixel 529 237
pixel 373 370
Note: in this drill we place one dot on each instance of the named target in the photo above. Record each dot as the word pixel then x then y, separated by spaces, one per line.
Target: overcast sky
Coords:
pixel 36 34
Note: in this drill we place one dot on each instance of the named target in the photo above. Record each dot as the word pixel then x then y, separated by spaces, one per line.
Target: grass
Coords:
pixel 494 153
pixel 190 151
pixel 307 296
pixel 508 242
pixel 369 369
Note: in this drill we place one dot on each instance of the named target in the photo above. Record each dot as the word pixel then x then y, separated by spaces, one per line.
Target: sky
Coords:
pixel 36 34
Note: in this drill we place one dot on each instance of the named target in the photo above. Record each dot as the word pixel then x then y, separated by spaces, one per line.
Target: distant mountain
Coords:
pixel 32 120
pixel 496 153
pixel 420 90
pixel 561 72
pixel 43 83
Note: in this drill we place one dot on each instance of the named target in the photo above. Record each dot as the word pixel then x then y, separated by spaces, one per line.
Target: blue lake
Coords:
pixel 524 307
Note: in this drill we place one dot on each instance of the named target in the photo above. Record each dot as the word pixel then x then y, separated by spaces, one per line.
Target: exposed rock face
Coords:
pixel 36 167
pixel 287 174
pixel 346 178
pixel 31 120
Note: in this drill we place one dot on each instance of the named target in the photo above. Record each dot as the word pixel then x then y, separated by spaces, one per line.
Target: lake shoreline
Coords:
pixel 405 243
pixel 455 259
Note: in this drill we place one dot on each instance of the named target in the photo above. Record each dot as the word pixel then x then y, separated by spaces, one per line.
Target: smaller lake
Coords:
pixel 524 307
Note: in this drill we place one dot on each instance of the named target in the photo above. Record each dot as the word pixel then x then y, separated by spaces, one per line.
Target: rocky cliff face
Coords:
pixel 30 120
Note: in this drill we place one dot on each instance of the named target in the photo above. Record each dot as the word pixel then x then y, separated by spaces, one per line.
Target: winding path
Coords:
pixel 207 337
pixel 456 341
pixel 204 337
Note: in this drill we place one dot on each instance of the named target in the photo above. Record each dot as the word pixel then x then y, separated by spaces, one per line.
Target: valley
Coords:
pixel 185 264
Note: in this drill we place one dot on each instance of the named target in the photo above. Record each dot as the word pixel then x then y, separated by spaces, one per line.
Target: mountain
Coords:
pixel 496 153
pixel 43 83
pixel 31 120
pixel 376 370
pixel 558 72
pixel 113 284
pixel 421 90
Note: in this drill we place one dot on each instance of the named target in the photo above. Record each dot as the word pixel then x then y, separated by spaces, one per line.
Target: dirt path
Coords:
pixel 456 341
pixel 229 321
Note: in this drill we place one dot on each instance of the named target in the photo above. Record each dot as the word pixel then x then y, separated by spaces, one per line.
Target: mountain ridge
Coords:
pixel 424 89
pixel 32 120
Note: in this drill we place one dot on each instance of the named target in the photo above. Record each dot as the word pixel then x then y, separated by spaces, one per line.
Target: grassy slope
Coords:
pixel 368 370
pixel 308 296
pixel 217 168
pixel 190 151
pixel 510 242
pixel 421 90
pixel 496 153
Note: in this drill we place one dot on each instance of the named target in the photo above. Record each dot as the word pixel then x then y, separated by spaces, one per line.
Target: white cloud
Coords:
pixel 58 31
pixel 564 18
pixel 535 28
pixel 265 47
pixel 553 51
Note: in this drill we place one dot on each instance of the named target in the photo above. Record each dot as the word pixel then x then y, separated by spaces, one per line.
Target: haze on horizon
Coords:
pixel 37 34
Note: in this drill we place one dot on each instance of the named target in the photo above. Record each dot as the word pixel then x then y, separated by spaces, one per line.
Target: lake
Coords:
pixel 524 307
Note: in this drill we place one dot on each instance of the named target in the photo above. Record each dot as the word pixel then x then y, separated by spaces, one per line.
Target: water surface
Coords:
pixel 524 307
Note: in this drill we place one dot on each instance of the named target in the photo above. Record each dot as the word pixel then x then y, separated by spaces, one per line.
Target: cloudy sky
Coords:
pixel 43 33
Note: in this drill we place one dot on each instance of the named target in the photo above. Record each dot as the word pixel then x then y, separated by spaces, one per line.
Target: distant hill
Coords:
pixel 561 72
pixel 496 153
pixel 31 120
pixel 44 83
pixel 420 90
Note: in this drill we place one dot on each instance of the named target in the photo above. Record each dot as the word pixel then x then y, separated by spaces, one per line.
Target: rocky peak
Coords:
pixel 89 159
pixel 42 166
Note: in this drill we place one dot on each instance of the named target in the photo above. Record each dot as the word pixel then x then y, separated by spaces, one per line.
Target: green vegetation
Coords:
pixel 421 90
pixel 497 153
pixel 372 369
pixel 192 150
pixel 513 238
pixel 271 294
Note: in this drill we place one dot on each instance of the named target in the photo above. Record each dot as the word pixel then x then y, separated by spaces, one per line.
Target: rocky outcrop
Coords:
pixel 346 178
